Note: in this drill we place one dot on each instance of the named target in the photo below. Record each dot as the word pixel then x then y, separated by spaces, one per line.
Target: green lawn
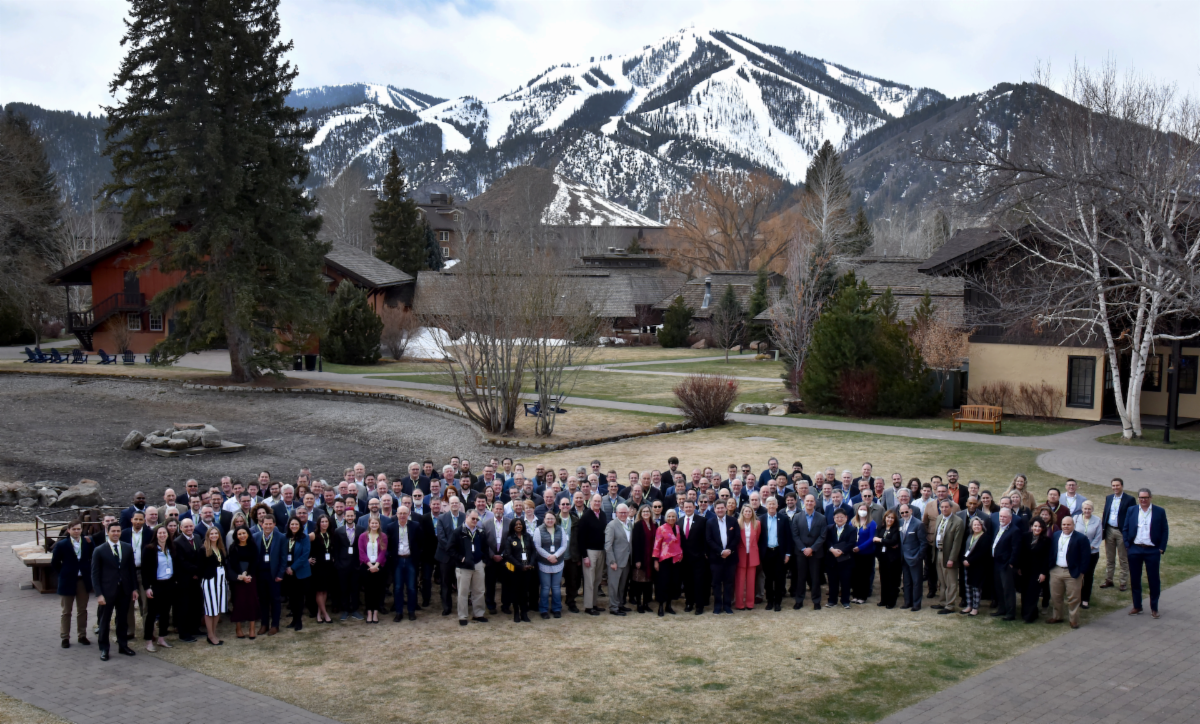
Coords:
pixel 738 366
pixel 1185 439
pixel 1011 427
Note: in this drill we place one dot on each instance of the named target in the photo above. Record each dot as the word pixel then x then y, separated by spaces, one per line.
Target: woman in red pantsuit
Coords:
pixel 747 567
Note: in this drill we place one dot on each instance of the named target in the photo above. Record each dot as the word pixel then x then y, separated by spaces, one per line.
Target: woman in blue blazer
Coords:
pixel 295 578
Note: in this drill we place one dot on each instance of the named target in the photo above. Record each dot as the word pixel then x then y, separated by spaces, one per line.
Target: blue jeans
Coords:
pixel 405 580
pixel 551 588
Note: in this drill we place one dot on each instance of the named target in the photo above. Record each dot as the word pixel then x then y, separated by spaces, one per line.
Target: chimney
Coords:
pixel 707 293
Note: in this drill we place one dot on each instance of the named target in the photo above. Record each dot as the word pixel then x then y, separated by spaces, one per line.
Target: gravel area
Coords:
pixel 64 429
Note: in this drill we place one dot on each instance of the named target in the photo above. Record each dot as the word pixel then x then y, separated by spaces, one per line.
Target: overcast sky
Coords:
pixel 62 53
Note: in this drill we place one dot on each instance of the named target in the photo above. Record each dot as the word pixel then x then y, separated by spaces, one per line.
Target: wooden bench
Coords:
pixel 979 415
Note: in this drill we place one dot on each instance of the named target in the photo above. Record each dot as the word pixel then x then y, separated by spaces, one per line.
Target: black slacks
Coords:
pixel 1006 590
pixel 160 609
pixel 889 581
pixel 348 589
pixel 808 571
pixel 774 580
pixel 188 607
pixel 723 573
pixel 572 580
pixel 448 576
pixel 104 614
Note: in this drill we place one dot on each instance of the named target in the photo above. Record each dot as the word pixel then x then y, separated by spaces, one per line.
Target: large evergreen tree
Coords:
pixel 757 331
pixel 208 160
pixel 677 324
pixel 354 328
pixel 861 237
pixel 400 232
pixel 433 251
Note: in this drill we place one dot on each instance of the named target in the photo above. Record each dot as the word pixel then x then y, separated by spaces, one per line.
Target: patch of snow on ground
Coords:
pixel 333 123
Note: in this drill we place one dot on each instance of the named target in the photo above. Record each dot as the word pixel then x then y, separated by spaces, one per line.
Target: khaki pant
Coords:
pixel 591 578
pixel 1114 550
pixel 80 601
pixel 1062 586
pixel 947 581
pixel 470 584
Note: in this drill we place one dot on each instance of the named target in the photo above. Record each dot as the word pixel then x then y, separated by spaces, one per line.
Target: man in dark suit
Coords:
pixel 721 535
pixel 139 506
pixel 695 558
pixel 114 578
pixel 345 562
pixel 1116 507
pixel 447 526
pixel 415 480
pixel 283 509
pixel 774 552
pixel 840 539
pixel 189 552
pixel 71 560
pixel 1145 532
pixel 405 545
pixel 272 564
pixel 1006 543
pixel 429 544
pixel 494 529
pixel 912 550
pixel 1070 552
pixel 808 547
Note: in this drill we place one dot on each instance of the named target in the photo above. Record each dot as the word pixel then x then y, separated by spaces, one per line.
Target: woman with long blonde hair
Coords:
pixel 747 563
pixel 212 582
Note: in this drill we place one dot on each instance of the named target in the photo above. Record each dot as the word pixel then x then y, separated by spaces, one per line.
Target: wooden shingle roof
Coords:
pixel 364 269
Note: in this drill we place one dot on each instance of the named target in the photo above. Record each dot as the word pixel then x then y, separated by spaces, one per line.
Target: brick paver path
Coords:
pixel 75 684
pixel 1119 669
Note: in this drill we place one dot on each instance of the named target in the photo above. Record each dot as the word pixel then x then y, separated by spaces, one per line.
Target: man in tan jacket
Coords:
pixel 947 541
pixel 930 520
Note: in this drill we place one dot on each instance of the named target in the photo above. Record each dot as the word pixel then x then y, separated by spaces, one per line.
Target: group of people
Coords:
pixel 521 544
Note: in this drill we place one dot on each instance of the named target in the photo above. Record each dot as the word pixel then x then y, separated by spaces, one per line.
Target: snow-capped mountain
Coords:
pixel 635 127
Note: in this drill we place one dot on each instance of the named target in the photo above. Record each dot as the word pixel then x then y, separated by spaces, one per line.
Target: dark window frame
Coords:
pixel 1071 362
pixel 1191 361
pixel 1157 386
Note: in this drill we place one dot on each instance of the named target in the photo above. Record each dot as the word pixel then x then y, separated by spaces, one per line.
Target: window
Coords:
pixel 1153 380
pixel 156 322
pixel 445 252
pixel 133 322
pixel 1187 375
pixel 443 236
pixel 1081 381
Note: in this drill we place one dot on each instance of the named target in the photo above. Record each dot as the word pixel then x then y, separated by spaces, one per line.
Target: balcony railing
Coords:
pixel 105 308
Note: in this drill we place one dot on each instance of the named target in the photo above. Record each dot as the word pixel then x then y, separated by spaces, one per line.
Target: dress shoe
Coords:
pixel 778 608
pixel 573 608
pixel 996 614
pixel 1054 620
pixel 462 622
pixel 592 612
pixel 412 616
pixel 916 608
pixel 492 611
pixel 1106 584
pixel 670 610
pixel 398 618
pixel 84 640
pixel 483 619
pixel 126 651
pixel 699 610
pixel 506 608
pixel 104 654
pixel 1074 625
pixel 688 608
pixel 816 607
pixel 944 611
pixel 445 612
pixel 66 644
pixel 660 612
pixel 273 630
pixel 797 606
pixel 623 609
pixel 1010 618
pixel 1135 612
pixel 545 616
pixel 557 614
pixel 1154 614
pixel 263 629
pixel 191 639
pixel 1122 589
pixel 618 612
pixel 345 616
pixel 937 607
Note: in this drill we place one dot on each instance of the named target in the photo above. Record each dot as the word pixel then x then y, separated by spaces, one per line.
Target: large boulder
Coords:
pixel 188 425
pixel 191 436
pixel 133 440
pixel 747 408
pixel 210 436
pixel 157 440
pixel 86 494
pixel 702 344
pixel 46 497
pixel 13 493
pixel 178 443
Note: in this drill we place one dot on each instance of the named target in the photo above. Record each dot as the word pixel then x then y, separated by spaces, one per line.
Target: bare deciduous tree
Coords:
pixel 942 344
pixel 801 298
pixel 346 207
pixel 724 221
pixel 1104 192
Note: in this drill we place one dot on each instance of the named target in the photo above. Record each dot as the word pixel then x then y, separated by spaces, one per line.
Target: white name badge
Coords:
pixel 350 551
pixel 289 557
pixel 522 556
pixel 266 558
pixel 326 556
pixel 168 571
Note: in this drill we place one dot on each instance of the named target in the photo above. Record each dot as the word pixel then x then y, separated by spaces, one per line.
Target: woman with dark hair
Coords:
pixel 158 578
pixel 236 523
pixel 212 581
pixel 372 554
pixel 977 563
pixel 987 503
pixel 891 562
pixel 551 542
pixel 1049 526
pixel 297 573
pixel 864 554
pixel 667 553
pixel 642 542
pixel 320 557
pixel 243 589
pixel 519 560
pixel 1033 564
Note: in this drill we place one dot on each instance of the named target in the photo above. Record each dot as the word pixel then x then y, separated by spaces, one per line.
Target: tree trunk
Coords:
pixel 240 351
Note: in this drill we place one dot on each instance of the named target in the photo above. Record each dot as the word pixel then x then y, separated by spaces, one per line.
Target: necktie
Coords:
pixel 687 527
pixel 117 552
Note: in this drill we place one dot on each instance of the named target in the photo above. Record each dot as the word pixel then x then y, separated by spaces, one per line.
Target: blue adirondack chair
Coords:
pixel 128 357
pixel 41 356
pixel 105 359
pixel 56 357
pixel 78 357
pixel 32 356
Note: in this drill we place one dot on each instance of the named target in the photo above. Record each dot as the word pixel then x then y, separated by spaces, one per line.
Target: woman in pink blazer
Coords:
pixel 372 555
pixel 747 568
pixel 668 553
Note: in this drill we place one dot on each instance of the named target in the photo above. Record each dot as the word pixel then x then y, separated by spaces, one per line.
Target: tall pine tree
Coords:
pixel 400 232
pixel 677 324
pixel 861 237
pixel 757 331
pixel 354 328
pixel 208 159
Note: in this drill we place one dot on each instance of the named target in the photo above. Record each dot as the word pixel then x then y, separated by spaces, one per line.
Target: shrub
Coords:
pixel 705 399
pixel 996 394
pixel 354 328
pixel 1040 401
pixel 677 324
pixel 858 390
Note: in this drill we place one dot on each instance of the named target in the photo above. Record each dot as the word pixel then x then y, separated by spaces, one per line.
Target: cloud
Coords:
pixel 63 53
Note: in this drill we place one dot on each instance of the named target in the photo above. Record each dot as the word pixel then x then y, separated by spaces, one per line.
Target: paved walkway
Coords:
pixel 76 685
pixel 1117 669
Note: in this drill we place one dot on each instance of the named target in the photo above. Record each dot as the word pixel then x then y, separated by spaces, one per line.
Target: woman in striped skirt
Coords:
pixel 212 582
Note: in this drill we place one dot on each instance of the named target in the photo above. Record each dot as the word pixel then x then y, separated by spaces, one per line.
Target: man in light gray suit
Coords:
pixel 912 548
pixel 891 496
pixel 618 545
pixel 808 540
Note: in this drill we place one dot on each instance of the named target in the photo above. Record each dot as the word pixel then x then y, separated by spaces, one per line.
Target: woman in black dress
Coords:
pixel 977 562
pixel 641 584
pixel 243 563
pixel 1033 563
pixel 158 576
pixel 890 560
pixel 324 576
pixel 519 555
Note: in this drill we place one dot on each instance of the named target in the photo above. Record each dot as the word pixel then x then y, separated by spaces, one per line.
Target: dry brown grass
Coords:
pixel 18 712
pixel 115 370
